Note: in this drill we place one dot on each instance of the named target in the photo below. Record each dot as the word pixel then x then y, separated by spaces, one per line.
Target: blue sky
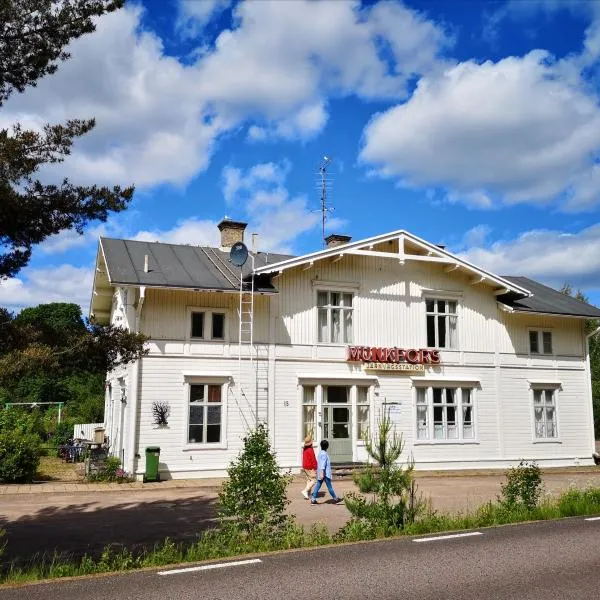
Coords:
pixel 472 124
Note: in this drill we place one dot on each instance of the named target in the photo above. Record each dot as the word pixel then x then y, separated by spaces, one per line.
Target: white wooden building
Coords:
pixel 476 370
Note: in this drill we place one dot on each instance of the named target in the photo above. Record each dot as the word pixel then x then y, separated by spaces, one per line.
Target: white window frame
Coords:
pixel 328 289
pixel 458 387
pixel 539 331
pixel 446 297
pixel 205 379
pixel 368 404
pixel 543 386
pixel 208 313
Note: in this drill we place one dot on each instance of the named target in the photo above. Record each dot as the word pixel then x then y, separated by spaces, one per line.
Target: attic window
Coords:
pixel 198 325
pixel 207 325
pixel 540 342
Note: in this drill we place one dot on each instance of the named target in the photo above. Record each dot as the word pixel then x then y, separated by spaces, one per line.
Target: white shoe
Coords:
pixel 305 494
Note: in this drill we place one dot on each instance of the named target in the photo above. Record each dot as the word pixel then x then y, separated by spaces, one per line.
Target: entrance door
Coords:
pixel 337 426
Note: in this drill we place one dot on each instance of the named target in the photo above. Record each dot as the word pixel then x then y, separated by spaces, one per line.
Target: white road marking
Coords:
pixel 593 519
pixel 448 537
pixel 236 563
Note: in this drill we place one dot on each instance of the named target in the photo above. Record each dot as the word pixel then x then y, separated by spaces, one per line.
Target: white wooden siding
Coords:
pixel 389 310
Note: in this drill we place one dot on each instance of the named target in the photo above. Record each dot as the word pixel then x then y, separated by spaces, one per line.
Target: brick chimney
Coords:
pixel 336 239
pixel 231 232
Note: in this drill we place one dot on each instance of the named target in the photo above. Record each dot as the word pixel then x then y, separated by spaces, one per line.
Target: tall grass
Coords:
pixel 229 540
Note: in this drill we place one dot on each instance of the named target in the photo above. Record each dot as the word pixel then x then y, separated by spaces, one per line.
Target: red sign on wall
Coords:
pixel 370 354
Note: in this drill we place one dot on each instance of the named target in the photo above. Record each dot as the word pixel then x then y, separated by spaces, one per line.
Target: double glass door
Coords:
pixel 337 423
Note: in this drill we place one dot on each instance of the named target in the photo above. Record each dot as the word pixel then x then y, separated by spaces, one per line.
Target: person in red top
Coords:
pixel 309 464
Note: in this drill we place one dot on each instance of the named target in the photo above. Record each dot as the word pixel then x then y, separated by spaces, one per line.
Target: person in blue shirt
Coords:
pixel 324 474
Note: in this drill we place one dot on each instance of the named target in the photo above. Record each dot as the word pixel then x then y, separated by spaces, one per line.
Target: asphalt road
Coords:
pixel 550 560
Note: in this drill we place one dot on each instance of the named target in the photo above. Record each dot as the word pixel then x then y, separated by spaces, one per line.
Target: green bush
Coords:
pixel 111 471
pixel 254 497
pixel 63 432
pixel 19 456
pixel 523 485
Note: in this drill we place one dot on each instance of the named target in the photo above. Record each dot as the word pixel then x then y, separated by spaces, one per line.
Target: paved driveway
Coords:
pixel 74 519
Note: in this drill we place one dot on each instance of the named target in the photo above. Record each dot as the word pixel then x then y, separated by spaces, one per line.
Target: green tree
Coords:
pixel 33 38
pixel 52 340
pixel 49 354
pixel 254 497
pixel 394 502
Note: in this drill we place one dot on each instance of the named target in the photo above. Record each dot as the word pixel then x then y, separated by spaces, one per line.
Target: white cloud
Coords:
pixel 68 239
pixel 476 235
pixel 552 257
pixel 195 232
pixel 147 106
pixel 284 56
pixel 260 193
pixel 234 181
pixel 519 130
pixel 273 70
pixel 194 15
pixel 64 283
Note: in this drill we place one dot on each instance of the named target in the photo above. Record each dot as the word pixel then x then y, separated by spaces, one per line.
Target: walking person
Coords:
pixel 309 465
pixel 324 474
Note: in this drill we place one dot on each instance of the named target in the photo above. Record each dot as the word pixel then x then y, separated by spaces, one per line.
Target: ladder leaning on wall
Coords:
pixel 246 339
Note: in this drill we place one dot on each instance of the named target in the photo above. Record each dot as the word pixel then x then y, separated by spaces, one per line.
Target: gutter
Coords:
pixel 589 336
pixel 132 455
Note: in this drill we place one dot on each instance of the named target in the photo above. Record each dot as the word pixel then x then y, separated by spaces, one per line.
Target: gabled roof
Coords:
pixel 546 300
pixel 176 265
pixel 422 250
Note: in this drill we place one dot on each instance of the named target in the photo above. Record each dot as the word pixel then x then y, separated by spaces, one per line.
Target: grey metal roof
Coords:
pixel 179 266
pixel 546 300
pixel 203 267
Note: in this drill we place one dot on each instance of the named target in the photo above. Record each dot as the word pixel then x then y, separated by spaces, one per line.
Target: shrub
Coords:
pixel 395 501
pixel 19 456
pixel 63 432
pixel 254 497
pixel 111 471
pixel 523 485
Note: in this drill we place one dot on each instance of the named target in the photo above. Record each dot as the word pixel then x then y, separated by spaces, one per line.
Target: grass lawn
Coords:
pixel 53 468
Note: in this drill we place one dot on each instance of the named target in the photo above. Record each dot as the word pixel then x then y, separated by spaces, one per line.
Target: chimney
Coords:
pixel 336 239
pixel 231 232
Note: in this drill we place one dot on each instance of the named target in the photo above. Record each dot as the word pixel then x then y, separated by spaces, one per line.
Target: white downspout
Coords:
pixel 588 368
pixel 134 393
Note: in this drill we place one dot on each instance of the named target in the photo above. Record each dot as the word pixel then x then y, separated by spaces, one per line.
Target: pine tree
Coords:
pixel 33 37
pixel 254 497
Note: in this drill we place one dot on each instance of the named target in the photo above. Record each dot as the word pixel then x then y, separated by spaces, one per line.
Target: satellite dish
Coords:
pixel 238 254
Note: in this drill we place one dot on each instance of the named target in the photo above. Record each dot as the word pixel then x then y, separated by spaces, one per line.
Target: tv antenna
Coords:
pixel 325 187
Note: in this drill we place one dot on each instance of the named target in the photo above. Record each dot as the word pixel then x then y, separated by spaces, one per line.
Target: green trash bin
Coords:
pixel 152 456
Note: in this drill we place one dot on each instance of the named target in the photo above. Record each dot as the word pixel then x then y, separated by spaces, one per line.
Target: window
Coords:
pixel 218 326
pixel 207 325
pixel 441 323
pixel 540 342
pixel 445 413
pixel 198 325
pixel 362 411
pixel 334 317
pixel 205 414
pixel 544 412
pixel 309 411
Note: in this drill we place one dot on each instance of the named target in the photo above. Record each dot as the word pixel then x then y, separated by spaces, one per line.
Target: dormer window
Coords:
pixel 334 317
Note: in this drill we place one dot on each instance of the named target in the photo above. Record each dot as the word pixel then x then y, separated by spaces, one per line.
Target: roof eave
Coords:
pixel 337 250
pixel 514 309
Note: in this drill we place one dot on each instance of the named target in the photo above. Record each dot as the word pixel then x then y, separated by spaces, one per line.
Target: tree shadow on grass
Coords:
pixel 86 527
